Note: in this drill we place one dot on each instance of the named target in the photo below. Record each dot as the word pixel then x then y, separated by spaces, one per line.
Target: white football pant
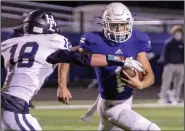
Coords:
pixel 118 115
pixel 18 122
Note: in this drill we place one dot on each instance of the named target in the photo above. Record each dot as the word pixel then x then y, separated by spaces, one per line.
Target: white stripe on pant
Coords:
pixel 16 121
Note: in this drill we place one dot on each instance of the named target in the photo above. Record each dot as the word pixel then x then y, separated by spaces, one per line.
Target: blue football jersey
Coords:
pixel 110 85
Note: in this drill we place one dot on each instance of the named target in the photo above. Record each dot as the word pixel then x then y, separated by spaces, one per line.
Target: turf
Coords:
pixel 86 102
pixel 171 118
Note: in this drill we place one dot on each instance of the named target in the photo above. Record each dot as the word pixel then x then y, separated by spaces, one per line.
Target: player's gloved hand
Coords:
pixel 131 63
pixel 63 95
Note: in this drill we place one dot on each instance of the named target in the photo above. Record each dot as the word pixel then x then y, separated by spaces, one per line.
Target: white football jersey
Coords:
pixel 25 61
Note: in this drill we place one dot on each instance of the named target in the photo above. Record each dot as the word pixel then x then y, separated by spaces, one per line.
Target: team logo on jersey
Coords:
pixel 119 51
pixel 51 21
pixel 83 40
pixel 149 42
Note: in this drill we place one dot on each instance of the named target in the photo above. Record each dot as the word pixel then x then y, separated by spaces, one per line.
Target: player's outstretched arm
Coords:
pixel 99 60
pixel 63 94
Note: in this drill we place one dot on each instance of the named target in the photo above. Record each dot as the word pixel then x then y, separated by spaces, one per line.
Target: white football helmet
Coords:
pixel 117 13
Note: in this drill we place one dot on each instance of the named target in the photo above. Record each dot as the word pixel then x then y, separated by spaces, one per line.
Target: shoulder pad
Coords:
pixel 141 36
pixel 144 43
pixel 60 42
pixel 57 38
pixel 89 37
pixel 85 38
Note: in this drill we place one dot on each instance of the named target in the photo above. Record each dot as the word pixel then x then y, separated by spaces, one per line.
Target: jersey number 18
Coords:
pixel 25 58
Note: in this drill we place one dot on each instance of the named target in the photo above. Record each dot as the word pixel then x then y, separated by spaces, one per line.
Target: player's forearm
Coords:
pixel 148 80
pixel 99 60
pixel 75 49
pixel 149 76
pixel 63 69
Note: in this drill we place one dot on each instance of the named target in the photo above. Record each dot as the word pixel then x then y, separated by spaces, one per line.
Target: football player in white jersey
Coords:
pixel 25 61
pixel 29 60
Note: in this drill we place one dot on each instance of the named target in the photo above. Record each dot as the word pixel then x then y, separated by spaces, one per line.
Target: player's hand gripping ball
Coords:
pixel 132 73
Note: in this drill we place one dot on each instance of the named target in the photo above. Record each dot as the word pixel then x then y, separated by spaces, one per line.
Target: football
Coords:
pixel 132 73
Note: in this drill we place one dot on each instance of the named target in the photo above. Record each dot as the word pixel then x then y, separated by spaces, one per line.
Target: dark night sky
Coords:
pixel 160 4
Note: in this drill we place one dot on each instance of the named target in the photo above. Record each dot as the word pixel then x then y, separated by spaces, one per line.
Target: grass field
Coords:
pixel 168 118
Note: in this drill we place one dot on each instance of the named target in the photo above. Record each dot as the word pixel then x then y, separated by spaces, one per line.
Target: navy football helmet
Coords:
pixel 40 22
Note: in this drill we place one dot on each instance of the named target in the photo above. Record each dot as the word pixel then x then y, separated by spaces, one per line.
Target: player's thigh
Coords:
pixel 100 109
pixel 4 125
pixel 8 121
pixel 31 122
pixel 113 111
pixel 17 121
pixel 104 125
pixel 107 126
pixel 131 120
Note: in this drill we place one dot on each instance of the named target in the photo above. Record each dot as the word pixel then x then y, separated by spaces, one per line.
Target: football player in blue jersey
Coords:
pixel 27 69
pixel 119 38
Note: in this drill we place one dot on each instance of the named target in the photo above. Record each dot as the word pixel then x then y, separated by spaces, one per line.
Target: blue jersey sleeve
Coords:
pixel 144 43
pixel 85 42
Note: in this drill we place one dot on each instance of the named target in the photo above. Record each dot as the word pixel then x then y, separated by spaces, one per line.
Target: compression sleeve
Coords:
pixel 65 56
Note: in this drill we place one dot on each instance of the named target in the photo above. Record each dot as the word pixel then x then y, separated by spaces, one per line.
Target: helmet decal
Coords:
pixel 40 22
pixel 51 21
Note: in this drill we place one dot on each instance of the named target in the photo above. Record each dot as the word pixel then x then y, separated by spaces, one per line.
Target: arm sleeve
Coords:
pixel 65 56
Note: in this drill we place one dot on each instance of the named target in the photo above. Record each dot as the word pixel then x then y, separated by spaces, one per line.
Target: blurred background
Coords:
pixel 78 17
